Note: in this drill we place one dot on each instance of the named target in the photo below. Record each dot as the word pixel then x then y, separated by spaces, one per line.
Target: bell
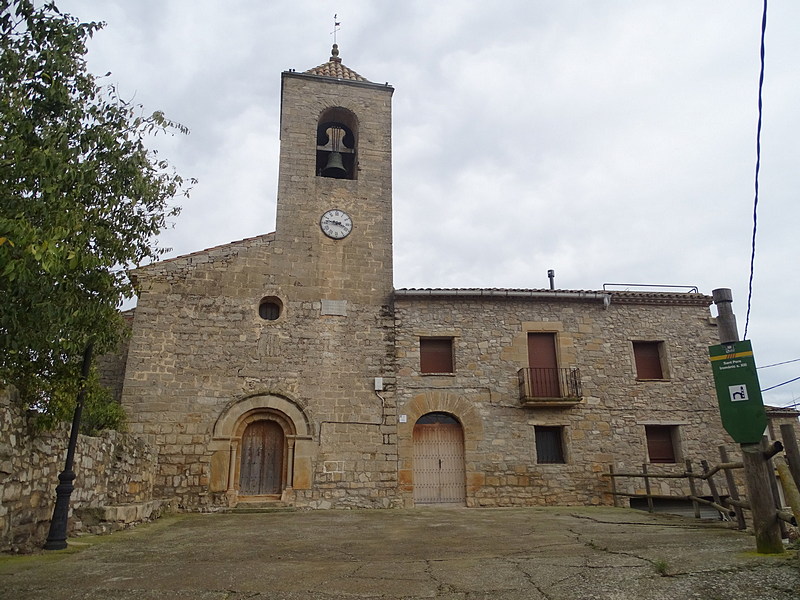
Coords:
pixel 335 167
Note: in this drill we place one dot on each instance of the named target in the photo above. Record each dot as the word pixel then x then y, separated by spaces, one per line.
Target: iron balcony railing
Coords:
pixel 548 386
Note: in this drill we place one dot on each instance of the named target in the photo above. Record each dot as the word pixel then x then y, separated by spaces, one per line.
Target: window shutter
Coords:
pixel 648 360
pixel 436 355
pixel 660 447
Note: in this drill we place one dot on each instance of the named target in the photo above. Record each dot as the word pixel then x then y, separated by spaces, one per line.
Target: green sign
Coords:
pixel 738 391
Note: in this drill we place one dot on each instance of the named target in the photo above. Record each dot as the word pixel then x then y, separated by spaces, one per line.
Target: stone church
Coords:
pixel 287 368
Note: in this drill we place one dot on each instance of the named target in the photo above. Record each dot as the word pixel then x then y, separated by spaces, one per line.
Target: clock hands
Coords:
pixel 336 224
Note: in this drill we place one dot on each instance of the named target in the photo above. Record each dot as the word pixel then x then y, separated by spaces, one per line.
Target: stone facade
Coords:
pixel 606 427
pixel 286 367
pixel 203 364
pixel 113 485
pixel 111 367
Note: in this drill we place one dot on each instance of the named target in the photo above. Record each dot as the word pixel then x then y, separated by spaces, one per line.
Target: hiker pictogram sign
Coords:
pixel 738 391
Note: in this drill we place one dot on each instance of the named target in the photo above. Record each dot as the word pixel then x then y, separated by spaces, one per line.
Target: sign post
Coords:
pixel 744 418
pixel 738 391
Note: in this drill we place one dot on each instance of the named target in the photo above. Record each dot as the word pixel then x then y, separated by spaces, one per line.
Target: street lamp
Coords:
pixel 57 537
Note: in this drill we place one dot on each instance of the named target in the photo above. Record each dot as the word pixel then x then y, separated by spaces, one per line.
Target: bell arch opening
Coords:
pixel 337 141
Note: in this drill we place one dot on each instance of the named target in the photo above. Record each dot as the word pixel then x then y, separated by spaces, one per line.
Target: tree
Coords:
pixel 81 200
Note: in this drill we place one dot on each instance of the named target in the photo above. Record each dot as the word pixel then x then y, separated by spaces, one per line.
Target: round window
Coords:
pixel 270 308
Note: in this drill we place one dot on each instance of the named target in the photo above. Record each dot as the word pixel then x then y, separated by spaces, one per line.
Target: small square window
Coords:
pixel 549 444
pixel 436 355
pixel 661 443
pixel 647 356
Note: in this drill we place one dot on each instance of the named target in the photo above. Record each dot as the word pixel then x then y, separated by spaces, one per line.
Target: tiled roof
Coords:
pixel 782 411
pixel 334 68
pixel 547 294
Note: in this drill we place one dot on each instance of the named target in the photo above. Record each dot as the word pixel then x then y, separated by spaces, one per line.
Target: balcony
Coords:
pixel 549 387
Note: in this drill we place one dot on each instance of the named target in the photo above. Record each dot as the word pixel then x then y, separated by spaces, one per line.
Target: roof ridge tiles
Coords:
pixel 335 69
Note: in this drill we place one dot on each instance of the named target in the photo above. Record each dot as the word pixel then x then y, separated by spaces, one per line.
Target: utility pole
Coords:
pixel 756 466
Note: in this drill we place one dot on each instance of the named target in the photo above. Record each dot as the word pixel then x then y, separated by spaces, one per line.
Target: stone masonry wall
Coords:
pixel 203 365
pixel 607 427
pixel 113 485
pixel 111 367
pixel 199 349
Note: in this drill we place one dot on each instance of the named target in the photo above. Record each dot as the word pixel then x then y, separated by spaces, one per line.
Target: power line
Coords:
pixel 779 384
pixel 786 362
pixel 758 168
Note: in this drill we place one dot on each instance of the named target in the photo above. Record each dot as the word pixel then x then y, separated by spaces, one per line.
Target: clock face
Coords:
pixel 336 224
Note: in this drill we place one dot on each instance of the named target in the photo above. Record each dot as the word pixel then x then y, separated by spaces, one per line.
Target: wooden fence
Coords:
pixel 729 505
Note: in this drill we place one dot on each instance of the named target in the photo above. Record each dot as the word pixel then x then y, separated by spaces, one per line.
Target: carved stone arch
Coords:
pixel 457 405
pixel 237 409
pixel 462 409
pixel 264 414
pixel 231 425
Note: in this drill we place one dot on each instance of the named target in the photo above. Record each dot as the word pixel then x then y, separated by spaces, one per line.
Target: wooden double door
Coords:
pixel 262 463
pixel 439 470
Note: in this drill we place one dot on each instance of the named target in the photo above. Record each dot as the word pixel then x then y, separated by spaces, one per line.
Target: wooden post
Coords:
pixel 692 488
pixel 712 486
pixel 790 490
pixel 792 451
pixel 613 484
pixel 773 483
pixel 756 471
pixel 733 491
pixel 762 504
pixel 650 507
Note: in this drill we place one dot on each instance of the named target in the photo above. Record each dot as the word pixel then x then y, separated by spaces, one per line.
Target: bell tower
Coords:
pixel 334 214
pixel 332 346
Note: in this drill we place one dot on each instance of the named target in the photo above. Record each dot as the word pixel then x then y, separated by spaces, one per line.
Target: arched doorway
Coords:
pixel 439 473
pixel 261 471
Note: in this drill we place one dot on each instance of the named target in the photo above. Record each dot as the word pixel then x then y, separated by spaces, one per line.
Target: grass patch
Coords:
pixel 661 567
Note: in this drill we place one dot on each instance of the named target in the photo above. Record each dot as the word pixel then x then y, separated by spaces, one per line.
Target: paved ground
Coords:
pixel 450 554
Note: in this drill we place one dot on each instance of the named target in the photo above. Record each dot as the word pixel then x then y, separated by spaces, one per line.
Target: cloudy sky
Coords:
pixel 613 141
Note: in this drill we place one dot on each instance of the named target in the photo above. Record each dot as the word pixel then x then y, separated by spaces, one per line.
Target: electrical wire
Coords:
pixel 779 384
pixel 758 168
pixel 786 362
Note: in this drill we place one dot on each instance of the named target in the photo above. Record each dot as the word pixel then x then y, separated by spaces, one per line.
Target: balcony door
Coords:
pixel 543 364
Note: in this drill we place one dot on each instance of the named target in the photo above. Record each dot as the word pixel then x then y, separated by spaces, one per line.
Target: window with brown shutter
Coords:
pixel 549 444
pixel 648 360
pixel 661 443
pixel 436 355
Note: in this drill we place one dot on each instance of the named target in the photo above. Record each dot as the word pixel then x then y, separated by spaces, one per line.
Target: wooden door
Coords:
pixel 262 459
pixel 439 463
pixel 544 365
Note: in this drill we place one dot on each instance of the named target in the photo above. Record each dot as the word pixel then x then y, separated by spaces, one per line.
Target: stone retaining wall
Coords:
pixel 113 487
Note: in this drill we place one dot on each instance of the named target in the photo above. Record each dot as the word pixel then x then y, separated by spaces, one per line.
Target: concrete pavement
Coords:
pixel 451 554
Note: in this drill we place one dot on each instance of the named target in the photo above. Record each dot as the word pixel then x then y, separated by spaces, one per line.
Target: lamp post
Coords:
pixel 57 537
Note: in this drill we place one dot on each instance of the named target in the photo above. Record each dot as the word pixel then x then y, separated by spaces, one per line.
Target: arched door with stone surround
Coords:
pixel 439 469
pixel 262 449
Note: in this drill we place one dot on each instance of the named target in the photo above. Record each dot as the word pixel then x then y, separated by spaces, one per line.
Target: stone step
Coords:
pixel 238 510
pixel 259 505
pixel 247 508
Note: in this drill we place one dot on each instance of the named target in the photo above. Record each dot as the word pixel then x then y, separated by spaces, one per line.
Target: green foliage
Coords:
pixel 100 411
pixel 661 567
pixel 81 200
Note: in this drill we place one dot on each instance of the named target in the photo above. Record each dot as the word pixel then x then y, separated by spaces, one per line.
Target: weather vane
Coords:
pixel 337 25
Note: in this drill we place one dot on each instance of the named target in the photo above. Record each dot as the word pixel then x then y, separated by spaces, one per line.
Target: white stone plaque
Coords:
pixel 334 307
